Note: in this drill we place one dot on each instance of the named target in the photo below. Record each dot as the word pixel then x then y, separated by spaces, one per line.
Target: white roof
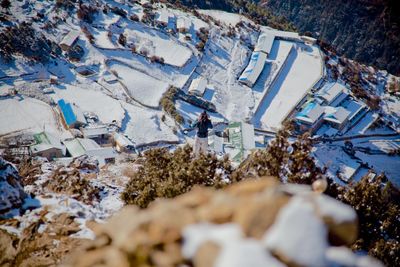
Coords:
pixel 163 16
pixel 88 144
pixel 311 115
pixel 103 152
pixel 265 42
pixel 336 115
pixel 94 131
pixel 70 38
pixel 198 86
pixel 78 113
pixel 183 22
pixel 122 140
pixel 254 68
pixel 43 147
pixel 74 147
pixel 331 91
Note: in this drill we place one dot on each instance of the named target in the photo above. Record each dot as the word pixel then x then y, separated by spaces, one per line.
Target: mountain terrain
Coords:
pixel 97 103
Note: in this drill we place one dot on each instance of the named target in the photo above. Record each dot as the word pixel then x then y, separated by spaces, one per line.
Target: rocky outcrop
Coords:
pixel 12 194
pixel 42 243
pixel 252 223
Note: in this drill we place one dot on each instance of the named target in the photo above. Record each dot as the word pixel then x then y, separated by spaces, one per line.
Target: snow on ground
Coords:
pixel 222 63
pixel 105 107
pixel 302 69
pixel 228 18
pixel 109 203
pixel 141 87
pixel 390 165
pixel 294 222
pixel 144 126
pixel 336 160
pixel 156 43
pixel 28 114
pixel 191 113
pixel 236 251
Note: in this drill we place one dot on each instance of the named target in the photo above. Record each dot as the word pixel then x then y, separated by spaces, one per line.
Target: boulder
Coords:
pixel 252 223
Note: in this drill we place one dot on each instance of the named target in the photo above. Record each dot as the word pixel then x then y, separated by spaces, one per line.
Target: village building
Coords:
pixel 357 110
pixel 122 143
pixel 69 40
pixel 309 40
pixel 241 140
pixel 198 86
pixel 310 117
pixel 183 24
pixel 72 116
pixel 333 94
pixel 82 146
pixel 253 70
pixel 99 134
pixel 47 146
pixel 265 43
pixel 163 18
pixel 336 117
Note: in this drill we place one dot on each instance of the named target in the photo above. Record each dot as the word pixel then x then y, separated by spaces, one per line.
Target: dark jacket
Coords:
pixel 202 128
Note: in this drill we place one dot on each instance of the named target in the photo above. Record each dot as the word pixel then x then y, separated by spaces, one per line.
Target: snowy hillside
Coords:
pixel 87 87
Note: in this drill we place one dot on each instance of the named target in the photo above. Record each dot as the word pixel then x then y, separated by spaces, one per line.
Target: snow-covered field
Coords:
pixel 89 100
pixel 26 114
pixel 144 126
pixel 156 43
pixel 228 18
pixel 141 87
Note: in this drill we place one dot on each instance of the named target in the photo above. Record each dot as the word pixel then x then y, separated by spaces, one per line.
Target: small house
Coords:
pixel 183 25
pixel 241 138
pixel 47 146
pixel 72 116
pixel 198 87
pixel 254 68
pixel 122 143
pixel 69 40
pixel 333 94
pixel 264 43
pixel 162 18
pixel 99 134
pixel 336 117
pixel 82 146
pixel 103 155
pixel 310 117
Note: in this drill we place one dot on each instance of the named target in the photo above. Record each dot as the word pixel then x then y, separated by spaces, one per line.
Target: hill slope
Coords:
pixel 364 30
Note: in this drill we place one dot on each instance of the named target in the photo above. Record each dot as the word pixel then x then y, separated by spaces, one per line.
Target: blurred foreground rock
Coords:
pixel 252 223
pixel 12 194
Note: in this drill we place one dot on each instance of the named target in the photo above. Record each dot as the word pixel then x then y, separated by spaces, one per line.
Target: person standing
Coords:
pixel 202 124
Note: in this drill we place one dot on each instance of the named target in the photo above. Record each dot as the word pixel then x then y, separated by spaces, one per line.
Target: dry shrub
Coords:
pixel 167 174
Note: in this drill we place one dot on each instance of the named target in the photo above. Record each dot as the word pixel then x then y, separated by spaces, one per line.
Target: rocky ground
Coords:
pixel 253 223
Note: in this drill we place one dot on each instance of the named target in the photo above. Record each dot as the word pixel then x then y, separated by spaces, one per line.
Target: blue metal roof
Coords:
pixel 306 110
pixel 68 113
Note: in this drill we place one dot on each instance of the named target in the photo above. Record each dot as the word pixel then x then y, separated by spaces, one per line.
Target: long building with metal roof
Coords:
pixel 253 69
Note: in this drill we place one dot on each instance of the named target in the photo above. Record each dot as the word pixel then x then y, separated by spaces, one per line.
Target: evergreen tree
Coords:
pixel 6 4
pixel 378 208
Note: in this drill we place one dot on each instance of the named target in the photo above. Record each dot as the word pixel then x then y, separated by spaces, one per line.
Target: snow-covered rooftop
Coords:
pixel 330 92
pixel 198 86
pixel 310 113
pixel 336 115
pixel 69 39
pixel 253 69
pixel 265 42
